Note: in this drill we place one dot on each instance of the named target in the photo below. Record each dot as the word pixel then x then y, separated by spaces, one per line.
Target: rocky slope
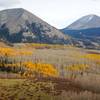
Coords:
pixel 19 25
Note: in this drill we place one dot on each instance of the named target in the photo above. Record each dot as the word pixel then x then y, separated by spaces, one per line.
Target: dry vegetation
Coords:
pixel 44 89
pixel 75 72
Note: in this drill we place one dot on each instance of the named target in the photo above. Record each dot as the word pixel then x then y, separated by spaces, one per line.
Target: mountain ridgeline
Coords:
pixel 85 31
pixel 18 25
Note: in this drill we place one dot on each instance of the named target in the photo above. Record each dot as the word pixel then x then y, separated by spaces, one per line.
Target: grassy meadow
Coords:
pixel 49 72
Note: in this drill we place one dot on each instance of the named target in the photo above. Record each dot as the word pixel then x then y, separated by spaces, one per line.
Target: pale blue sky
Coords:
pixel 58 13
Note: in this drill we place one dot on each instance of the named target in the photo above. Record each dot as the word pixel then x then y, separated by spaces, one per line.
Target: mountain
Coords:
pixel 18 25
pixel 85 31
pixel 86 22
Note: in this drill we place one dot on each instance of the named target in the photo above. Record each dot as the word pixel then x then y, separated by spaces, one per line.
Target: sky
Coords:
pixel 58 13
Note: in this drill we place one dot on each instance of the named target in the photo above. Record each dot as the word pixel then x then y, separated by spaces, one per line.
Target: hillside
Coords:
pixel 85 31
pixel 41 71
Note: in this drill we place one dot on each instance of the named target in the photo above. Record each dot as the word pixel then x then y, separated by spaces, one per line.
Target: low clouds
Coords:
pixel 95 0
pixel 8 3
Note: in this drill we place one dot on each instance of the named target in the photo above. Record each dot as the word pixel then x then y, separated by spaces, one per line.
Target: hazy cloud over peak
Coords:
pixel 8 3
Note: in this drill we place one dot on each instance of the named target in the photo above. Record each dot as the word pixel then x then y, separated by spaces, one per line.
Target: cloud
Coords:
pixel 95 0
pixel 8 3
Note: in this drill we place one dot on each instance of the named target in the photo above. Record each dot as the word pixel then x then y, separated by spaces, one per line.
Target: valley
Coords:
pixel 41 62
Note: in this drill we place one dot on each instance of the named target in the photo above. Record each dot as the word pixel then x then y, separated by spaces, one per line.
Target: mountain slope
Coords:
pixel 85 31
pixel 19 25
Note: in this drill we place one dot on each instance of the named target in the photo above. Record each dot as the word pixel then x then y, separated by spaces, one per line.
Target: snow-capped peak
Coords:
pixel 90 18
pixel 89 21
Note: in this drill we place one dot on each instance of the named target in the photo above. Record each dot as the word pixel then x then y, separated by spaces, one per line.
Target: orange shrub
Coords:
pixel 14 52
pixel 77 67
pixel 39 68
pixel 45 69
pixel 93 57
